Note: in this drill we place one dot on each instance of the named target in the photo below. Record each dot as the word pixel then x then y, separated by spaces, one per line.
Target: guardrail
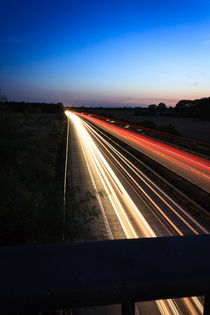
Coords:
pixel 64 276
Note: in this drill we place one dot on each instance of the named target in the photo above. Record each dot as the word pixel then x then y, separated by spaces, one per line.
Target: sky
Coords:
pixel 105 52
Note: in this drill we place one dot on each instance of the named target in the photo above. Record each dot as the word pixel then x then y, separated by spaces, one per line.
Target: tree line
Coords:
pixel 199 108
pixel 22 107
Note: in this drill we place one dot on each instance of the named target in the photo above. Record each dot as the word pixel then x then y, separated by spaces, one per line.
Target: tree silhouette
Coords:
pixel 161 107
pixel 3 98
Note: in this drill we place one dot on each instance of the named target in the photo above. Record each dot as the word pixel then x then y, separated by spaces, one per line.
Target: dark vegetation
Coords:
pixel 197 108
pixel 31 196
pixel 189 195
pixel 22 107
pixel 32 158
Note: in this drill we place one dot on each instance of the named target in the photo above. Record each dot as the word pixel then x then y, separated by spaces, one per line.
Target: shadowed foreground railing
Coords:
pixel 49 277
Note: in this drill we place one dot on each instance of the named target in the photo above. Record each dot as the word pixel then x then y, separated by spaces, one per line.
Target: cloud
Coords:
pixel 195 83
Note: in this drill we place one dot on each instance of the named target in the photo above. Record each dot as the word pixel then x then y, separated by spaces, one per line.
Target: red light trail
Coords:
pixel 192 164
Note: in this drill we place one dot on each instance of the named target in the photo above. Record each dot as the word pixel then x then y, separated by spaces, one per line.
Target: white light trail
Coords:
pixel 153 187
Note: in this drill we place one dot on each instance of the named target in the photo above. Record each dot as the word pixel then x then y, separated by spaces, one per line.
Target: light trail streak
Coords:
pixel 192 164
pixel 152 186
pixel 191 307
pixel 108 229
pixel 184 154
pixel 169 198
pixel 114 189
pixel 100 163
pixel 151 200
pixel 157 132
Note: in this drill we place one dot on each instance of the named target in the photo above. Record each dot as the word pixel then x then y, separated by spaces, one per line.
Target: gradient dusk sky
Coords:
pixel 102 52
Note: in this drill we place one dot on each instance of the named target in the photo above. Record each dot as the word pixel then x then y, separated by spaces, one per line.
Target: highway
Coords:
pixel 132 205
pixel 189 166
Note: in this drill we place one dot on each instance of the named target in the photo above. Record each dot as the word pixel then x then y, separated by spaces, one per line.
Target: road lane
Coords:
pixel 85 178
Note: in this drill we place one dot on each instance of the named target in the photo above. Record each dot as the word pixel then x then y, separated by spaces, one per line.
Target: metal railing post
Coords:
pixel 207 305
pixel 128 308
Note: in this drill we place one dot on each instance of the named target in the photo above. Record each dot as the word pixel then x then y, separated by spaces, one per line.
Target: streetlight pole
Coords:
pixel 65 176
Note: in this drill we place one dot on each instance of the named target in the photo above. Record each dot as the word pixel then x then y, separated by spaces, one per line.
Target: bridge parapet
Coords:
pixel 65 276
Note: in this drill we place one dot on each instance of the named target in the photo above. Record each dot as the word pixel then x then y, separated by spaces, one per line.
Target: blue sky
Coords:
pixel 105 52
